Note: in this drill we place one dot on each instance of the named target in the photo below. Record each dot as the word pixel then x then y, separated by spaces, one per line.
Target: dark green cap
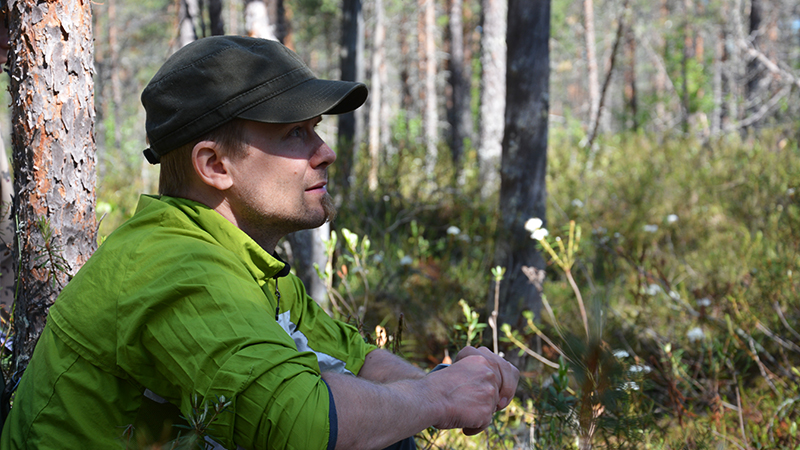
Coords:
pixel 214 80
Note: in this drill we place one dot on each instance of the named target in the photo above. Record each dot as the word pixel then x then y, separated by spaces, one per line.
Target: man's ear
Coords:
pixel 212 165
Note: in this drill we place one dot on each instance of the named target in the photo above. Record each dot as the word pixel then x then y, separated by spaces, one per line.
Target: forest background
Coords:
pixel 663 303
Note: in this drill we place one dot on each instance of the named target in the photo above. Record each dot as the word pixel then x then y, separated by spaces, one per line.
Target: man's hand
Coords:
pixel 509 374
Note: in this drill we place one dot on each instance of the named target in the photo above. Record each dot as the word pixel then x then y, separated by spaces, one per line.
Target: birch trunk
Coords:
pixel 493 93
pixel 187 21
pixel 375 96
pixel 256 20
pixel 54 156
pixel 431 113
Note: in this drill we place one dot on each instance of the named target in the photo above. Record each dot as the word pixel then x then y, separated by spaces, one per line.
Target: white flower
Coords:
pixel 534 226
pixel 650 228
pixel 406 261
pixel 619 354
pixel 453 230
pixel 705 301
pixel 672 218
pixel 540 234
pixel 674 295
pixel 695 334
pixel 790 191
pixel 629 386
pixel 577 203
pixel 639 369
pixel 377 258
pixel 653 289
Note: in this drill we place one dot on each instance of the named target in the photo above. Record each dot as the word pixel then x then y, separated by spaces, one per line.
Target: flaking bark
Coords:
pixel 51 66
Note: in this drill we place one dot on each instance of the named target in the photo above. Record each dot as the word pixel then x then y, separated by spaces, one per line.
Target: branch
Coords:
pixel 770 65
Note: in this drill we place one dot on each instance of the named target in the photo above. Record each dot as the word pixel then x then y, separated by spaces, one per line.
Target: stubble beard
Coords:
pixel 328 208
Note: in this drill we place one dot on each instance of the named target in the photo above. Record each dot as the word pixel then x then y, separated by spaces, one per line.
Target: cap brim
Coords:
pixel 307 100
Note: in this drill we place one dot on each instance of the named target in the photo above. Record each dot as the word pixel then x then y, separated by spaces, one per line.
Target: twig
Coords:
pixel 607 82
pixel 784 321
pixel 739 404
pixel 580 302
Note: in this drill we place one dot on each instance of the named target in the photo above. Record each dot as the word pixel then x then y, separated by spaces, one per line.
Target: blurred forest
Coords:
pixel 668 277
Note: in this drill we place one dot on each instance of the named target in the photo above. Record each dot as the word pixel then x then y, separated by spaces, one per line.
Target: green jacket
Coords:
pixel 179 302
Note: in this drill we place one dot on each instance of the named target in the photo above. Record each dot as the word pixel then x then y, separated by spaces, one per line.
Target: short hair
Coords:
pixel 177 170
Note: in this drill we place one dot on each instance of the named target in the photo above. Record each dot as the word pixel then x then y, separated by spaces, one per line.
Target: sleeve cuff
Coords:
pixel 332 419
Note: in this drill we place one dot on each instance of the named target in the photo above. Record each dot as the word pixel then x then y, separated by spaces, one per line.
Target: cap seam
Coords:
pixel 194 63
pixel 274 94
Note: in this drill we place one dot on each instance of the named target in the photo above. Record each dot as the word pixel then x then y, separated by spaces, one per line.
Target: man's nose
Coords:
pixel 324 156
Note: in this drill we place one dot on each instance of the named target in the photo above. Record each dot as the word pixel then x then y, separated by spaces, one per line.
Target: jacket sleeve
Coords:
pixel 212 332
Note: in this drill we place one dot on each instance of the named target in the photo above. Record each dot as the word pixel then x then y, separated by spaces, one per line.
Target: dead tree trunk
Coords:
pixel 54 156
pixel 524 165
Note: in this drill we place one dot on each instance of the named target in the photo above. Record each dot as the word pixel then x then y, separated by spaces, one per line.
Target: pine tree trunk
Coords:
pixel 378 44
pixel 493 93
pixel 631 99
pixel 54 155
pixel 352 69
pixel 524 164
pixel 256 20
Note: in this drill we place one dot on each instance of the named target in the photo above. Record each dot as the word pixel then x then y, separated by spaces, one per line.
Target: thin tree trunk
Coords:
pixel 375 96
pixel 461 123
pixel 352 69
pixel 755 70
pixel 215 17
pixel 688 49
pixel 54 156
pixel 493 93
pixel 256 20
pixel 431 113
pixel 631 99
pixel 717 113
pixel 524 165
pixel 591 62
pixel 187 18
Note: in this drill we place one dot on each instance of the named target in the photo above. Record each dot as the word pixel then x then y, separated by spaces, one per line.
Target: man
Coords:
pixel 186 300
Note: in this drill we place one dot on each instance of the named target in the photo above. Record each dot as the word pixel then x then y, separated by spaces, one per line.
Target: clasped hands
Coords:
pixel 473 388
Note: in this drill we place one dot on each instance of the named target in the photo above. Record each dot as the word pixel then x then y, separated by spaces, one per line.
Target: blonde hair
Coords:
pixel 177 170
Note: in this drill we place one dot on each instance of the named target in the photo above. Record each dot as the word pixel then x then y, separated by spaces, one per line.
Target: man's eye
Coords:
pixel 296 132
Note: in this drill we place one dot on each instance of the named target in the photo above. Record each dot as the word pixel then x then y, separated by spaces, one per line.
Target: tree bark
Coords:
pixel 524 163
pixel 376 86
pixel 631 98
pixel 215 17
pixel 352 69
pixel 493 93
pixel 256 20
pixel 461 122
pixel 54 156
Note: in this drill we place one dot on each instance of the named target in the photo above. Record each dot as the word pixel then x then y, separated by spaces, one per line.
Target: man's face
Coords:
pixel 280 185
